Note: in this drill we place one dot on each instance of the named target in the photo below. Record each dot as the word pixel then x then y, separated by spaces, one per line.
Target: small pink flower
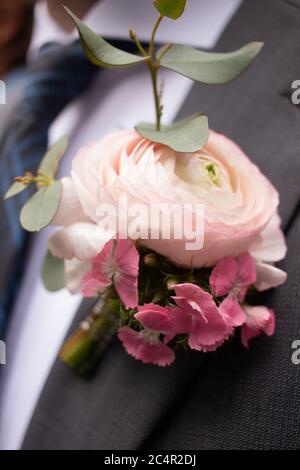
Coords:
pixel 117 263
pixel 146 345
pixel 233 276
pixel 156 318
pixel 258 320
pixel 199 317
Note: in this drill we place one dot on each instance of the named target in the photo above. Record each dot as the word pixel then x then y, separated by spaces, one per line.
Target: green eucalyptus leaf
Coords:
pixel 15 189
pixel 49 163
pixel 53 273
pixel 41 208
pixel 171 8
pixel 185 136
pixel 99 51
pixel 213 68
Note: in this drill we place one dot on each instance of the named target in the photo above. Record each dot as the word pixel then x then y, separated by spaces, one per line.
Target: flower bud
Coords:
pixel 172 281
pixel 151 260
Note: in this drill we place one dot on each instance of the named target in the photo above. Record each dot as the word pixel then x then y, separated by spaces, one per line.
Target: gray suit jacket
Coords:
pixel 234 398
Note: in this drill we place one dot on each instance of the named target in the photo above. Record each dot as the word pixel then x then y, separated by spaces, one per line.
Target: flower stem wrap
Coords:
pixel 83 348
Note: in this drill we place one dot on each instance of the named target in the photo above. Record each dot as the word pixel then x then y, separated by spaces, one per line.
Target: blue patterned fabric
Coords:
pixel 60 74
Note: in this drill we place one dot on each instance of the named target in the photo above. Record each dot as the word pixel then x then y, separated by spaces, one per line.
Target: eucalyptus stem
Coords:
pixel 136 41
pixel 158 107
pixel 154 66
pixel 151 44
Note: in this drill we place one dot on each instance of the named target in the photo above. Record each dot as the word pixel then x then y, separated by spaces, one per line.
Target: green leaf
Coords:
pixel 53 273
pixel 15 189
pixel 212 68
pixel 185 136
pixel 170 8
pixel 99 51
pixel 41 208
pixel 49 163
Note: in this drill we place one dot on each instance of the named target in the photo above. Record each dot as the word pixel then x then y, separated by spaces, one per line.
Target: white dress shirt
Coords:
pixel 119 98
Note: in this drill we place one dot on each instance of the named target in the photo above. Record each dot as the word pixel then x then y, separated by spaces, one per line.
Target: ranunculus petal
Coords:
pixel 149 352
pixel 74 274
pixel 268 276
pixel 232 311
pixel 272 247
pixel 70 210
pixel 156 318
pixel 81 240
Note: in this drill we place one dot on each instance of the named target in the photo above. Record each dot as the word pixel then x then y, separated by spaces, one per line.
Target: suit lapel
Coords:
pixel 125 402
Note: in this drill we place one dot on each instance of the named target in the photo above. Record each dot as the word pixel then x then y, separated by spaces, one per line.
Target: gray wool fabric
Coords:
pixel 233 398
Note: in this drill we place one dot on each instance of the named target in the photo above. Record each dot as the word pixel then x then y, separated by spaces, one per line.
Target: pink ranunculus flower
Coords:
pixel 146 345
pixel 117 263
pixel 240 204
pixel 199 317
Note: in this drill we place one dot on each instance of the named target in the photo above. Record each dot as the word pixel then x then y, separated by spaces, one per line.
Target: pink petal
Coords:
pixel 246 272
pixel 126 278
pixel 208 334
pixel 258 319
pixel 269 328
pixel 105 255
pixel 127 288
pixel 223 276
pixel 258 316
pixel 272 246
pixel 268 276
pixel 183 322
pixel 208 326
pixel 156 318
pixel 247 334
pixel 232 311
pixel 91 286
pixel 139 346
pixel 127 257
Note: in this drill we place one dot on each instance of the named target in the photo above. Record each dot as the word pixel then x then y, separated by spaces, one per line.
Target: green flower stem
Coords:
pixel 151 44
pixel 153 67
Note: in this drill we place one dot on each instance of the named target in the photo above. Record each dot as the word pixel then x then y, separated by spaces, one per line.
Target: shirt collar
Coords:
pixel 200 26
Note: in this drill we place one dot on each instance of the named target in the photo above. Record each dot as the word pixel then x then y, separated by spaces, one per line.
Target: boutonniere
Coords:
pixel 171 229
